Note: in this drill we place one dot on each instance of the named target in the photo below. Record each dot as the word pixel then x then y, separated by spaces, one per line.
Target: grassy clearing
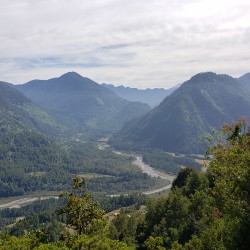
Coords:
pixel 94 175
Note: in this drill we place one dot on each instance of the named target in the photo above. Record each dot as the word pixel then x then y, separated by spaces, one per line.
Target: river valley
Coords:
pixel 145 168
pixel 103 145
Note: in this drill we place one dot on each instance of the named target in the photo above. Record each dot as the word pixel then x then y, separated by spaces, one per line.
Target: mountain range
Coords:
pixel 82 104
pixel 152 97
pixel 201 104
pixel 38 150
pixel 75 104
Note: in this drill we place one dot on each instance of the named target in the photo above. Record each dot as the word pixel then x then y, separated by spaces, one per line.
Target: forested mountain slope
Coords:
pixel 201 104
pixel 17 112
pixel 33 160
pixel 81 103
pixel 245 81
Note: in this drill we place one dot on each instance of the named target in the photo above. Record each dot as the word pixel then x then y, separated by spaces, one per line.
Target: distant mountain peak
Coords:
pixel 152 97
pixel 209 77
pixel 204 76
pixel 81 103
pixel 71 75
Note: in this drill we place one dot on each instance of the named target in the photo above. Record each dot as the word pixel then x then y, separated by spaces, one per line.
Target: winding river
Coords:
pixel 145 168
pixel 23 201
pixel 102 145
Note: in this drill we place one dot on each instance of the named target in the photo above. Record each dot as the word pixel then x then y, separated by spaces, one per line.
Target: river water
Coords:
pixel 102 145
pixel 23 201
pixel 145 168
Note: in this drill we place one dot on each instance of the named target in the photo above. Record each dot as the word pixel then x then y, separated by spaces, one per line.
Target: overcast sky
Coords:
pixel 138 43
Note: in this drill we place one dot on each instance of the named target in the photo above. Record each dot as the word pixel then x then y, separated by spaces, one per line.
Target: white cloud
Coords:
pixel 143 43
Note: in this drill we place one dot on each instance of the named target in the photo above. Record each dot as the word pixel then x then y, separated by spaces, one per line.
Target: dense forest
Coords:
pixel 167 162
pixel 203 210
pixel 30 162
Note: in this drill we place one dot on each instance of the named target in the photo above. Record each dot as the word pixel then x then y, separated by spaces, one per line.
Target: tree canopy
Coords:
pixel 206 210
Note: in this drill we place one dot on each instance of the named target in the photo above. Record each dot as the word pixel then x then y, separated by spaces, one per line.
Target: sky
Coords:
pixel 137 43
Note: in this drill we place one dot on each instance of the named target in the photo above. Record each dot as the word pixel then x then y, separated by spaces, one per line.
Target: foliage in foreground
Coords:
pixel 86 227
pixel 206 210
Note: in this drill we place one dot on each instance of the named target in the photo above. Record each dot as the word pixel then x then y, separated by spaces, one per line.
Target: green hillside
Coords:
pixel 81 103
pixel 17 112
pixel 201 104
